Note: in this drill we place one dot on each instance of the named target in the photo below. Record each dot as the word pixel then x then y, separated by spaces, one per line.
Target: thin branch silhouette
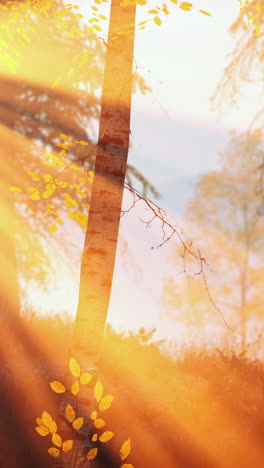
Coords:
pixel 158 213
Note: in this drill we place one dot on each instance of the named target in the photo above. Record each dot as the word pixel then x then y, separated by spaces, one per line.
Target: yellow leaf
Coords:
pixel 106 402
pixel 77 424
pixel 85 378
pixel 67 445
pixel 74 367
pixel 62 184
pixel 53 427
pixel 92 453
pixel 57 387
pixel 48 155
pixel 47 193
pixel 33 176
pixel 56 82
pixel 56 439
pixel 49 163
pixel 76 168
pixel 53 228
pixel 157 20
pixel 186 6
pixel 51 186
pixel 42 430
pixel 46 418
pixel 64 146
pixel 75 388
pixel 47 178
pixel 69 413
pixel 81 193
pixel 35 196
pixel 98 391
pixel 54 452
pixel 93 415
pixel 257 29
pixel 84 143
pixel 15 189
pixel 125 449
pixel 205 13
pixel 39 421
pixel 59 220
pixel 64 137
pixel 98 423
pixel 106 436
pixel 95 437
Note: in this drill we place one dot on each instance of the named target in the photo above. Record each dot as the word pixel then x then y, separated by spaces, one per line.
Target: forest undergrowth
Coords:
pixel 203 409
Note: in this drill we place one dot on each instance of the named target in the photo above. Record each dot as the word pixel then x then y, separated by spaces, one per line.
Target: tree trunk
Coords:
pixel 107 191
pixel 9 293
pixel 243 302
pixel 244 282
pixel 9 296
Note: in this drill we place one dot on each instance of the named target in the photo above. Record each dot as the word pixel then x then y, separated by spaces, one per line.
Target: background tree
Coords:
pixel 245 61
pixel 245 68
pixel 227 205
pixel 227 212
pixel 186 302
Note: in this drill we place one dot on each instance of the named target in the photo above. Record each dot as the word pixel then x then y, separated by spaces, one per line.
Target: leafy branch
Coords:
pixel 91 427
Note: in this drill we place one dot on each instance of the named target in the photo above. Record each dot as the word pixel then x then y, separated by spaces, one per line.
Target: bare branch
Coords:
pixel 167 222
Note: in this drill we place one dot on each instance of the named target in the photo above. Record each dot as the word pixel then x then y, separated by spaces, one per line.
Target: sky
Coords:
pixel 175 138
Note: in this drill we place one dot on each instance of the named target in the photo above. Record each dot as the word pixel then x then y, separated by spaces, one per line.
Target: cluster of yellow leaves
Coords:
pixel 70 415
pixel 47 425
pixel 75 370
pixel 22 20
pixel 21 23
pixel 50 184
pixel 254 12
pixel 156 14
pixel 71 23
pixel 97 17
pixel 16 28
pixel 159 11
pixel 185 6
pixel 79 217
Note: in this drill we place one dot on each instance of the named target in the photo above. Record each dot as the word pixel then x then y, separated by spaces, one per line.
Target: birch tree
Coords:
pixel 110 166
pixel 107 191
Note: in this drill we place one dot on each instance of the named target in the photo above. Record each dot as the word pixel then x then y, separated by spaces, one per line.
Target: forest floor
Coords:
pixel 205 410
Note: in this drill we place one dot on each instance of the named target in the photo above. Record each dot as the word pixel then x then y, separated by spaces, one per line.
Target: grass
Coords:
pixel 203 409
